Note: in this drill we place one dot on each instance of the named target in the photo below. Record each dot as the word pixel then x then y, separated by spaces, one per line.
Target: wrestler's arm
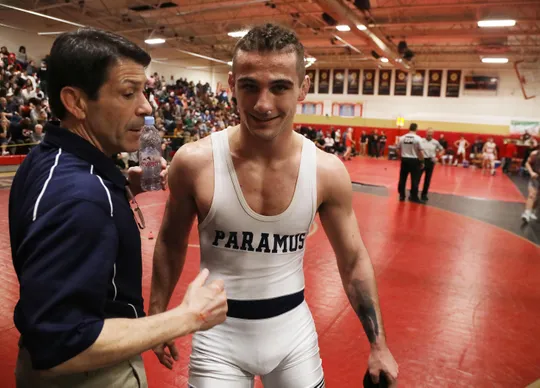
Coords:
pixel 172 241
pixel 355 268
pixel 529 163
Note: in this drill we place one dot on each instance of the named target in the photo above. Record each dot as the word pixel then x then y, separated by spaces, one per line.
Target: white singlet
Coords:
pixel 461 147
pixel 259 258
pixel 490 151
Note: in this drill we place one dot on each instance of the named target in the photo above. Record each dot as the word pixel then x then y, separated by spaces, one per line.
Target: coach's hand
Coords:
pixel 135 173
pixel 204 306
pixel 207 303
pixel 382 361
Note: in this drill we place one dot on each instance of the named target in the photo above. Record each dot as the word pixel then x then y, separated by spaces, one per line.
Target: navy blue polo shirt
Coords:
pixel 76 247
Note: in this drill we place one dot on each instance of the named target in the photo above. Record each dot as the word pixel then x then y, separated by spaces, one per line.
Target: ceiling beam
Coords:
pixel 454 5
pixel 462 34
pixel 431 23
pixel 342 12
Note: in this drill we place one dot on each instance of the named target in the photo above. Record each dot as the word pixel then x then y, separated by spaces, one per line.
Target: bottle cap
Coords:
pixel 149 120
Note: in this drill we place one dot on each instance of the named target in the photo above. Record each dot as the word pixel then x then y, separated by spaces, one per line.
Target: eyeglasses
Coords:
pixel 137 212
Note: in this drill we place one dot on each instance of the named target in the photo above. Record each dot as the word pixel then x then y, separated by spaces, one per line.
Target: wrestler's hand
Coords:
pixel 167 357
pixel 135 173
pixel 206 303
pixel 381 361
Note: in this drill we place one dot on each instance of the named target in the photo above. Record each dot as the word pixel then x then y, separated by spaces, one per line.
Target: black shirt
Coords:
pixel 76 247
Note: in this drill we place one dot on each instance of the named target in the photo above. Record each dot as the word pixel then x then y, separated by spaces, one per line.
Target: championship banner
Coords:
pixel 353 82
pixel 311 75
pixel 520 127
pixel 400 85
pixel 338 86
pixel 435 83
pixel 324 81
pixel 418 79
pixel 368 86
pixel 453 83
pixel 385 79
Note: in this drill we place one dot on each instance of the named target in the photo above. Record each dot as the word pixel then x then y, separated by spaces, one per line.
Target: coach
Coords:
pixel 75 243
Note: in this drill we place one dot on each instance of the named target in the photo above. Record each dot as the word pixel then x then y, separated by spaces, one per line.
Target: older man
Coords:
pixel 75 242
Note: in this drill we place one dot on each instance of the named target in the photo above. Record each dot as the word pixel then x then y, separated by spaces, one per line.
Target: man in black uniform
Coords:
pixel 412 161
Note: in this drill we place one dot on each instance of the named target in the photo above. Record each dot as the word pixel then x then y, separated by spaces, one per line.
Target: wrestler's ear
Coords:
pixel 304 88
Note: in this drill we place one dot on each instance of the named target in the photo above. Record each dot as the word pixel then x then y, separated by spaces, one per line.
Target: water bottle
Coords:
pixel 150 156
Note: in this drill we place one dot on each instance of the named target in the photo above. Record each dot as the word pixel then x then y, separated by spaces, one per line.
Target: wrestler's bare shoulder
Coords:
pixel 332 176
pixel 193 157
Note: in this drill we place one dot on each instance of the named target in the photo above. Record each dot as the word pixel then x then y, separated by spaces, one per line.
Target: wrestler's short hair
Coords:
pixel 271 37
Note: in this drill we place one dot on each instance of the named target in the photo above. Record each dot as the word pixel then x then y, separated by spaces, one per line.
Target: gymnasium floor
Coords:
pixel 458 282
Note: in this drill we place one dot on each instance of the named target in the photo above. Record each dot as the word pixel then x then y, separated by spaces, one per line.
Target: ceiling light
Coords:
pixel 343 28
pixel 385 60
pixel 495 60
pixel 361 27
pixel 154 41
pixel 496 23
pixel 40 15
pixel 51 33
pixel 237 34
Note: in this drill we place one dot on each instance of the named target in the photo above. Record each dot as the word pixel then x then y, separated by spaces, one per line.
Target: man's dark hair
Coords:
pixel 82 59
pixel 273 38
pixel 413 127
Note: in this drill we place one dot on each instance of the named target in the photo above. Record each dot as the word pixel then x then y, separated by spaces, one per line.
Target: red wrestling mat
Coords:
pixel 465 182
pixel 460 304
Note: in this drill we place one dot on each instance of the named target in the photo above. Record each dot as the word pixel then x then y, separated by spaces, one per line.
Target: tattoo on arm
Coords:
pixel 365 309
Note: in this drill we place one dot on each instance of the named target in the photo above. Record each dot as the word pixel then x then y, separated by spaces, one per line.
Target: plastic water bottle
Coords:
pixel 150 156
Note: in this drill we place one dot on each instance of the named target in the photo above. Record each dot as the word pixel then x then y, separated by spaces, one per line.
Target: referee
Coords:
pixel 412 162
pixel 430 148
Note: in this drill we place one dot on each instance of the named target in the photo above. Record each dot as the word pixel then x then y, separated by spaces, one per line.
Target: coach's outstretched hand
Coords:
pixel 205 306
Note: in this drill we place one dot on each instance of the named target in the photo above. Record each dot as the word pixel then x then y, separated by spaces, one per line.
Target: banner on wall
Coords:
pixel 324 81
pixel 453 83
pixel 309 108
pixel 417 88
pixel 400 85
pixel 311 75
pixel 368 86
pixel 435 83
pixel 338 85
pixel 353 81
pixel 385 78
pixel 347 109
pixel 520 127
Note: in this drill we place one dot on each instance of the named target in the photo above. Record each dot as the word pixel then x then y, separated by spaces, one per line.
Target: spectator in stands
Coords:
pixel 22 58
pixel 38 135
pixel 4 135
